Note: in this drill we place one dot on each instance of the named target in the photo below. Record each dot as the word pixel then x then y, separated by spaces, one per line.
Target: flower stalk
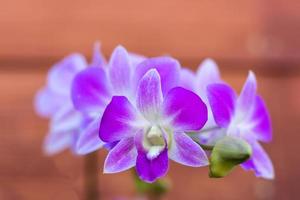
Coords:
pixel 152 191
pixel 91 179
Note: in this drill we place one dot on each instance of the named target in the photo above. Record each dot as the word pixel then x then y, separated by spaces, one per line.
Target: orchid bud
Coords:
pixel 227 153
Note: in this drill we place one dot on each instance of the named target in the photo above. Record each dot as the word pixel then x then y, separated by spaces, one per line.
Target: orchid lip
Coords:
pixel 154 141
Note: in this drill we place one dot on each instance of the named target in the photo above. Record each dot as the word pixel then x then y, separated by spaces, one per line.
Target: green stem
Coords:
pixel 91 176
pixel 152 191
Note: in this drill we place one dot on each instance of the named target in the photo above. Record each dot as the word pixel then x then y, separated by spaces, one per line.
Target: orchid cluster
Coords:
pixel 147 111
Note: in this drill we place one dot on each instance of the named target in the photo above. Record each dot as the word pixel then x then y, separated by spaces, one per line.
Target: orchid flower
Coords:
pixel 244 117
pixel 54 102
pixel 93 88
pixel 152 128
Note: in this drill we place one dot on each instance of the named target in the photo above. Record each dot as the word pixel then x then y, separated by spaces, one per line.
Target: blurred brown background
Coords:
pixel 259 34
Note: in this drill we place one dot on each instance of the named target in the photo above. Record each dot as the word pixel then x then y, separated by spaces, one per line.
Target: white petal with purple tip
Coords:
pixel 207 73
pixel 246 100
pixel 89 140
pixel 259 162
pixel 149 95
pixel 120 70
pixel 187 152
pixel 121 157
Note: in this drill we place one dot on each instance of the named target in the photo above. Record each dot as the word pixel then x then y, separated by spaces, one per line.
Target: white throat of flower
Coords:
pixel 154 141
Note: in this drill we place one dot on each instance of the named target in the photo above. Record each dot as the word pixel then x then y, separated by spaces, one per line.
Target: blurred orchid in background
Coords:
pixel 244 117
pixel 54 102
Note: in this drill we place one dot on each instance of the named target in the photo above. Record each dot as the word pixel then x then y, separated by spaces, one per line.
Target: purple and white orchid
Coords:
pixel 152 129
pixel 149 110
pixel 54 102
pixel 244 117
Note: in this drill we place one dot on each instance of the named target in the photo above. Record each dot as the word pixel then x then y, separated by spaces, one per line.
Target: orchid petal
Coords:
pixel 187 152
pixel 222 102
pixel 136 59
pixel 98 59
pixel 89 140
pixel 259 162
pixel 61 74
pixel 150 170
pixel 56 142
pixel 90 92
pixel 246 100
pixel 149 94
pixel 185 109
pixel 47 103
pixel 116 123
pixel 207 73
pixel 120 71
pixel 261 121
pixel 167 67
pixel 110 145
pixel 121 157
pixel 66 119
pixel 187 79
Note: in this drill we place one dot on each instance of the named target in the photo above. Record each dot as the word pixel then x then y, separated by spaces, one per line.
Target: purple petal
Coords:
pixel 66 119
pixel 61 74
pixel 90 92
pixel 120 71
pixel 187 79
pixel 117 120
pixel 167 67
pixel 121 157
pixel 89 140
pixel 150 170
pixel 55 142
pixel 136 59
pixel 47 102
pixel 110 145
pixel 222 102
pixel 185 109
pixel 247 97
pixel 259 162
pixel 207 73
pixel 149 94
pixel 261 121
pixel 98 59
pixel 187 152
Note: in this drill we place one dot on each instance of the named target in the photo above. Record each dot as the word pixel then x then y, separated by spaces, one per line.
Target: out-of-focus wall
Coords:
pixel 259 34
pixel 187 29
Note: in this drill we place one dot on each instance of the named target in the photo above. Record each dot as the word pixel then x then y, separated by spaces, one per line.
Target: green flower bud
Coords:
pixel 226 154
